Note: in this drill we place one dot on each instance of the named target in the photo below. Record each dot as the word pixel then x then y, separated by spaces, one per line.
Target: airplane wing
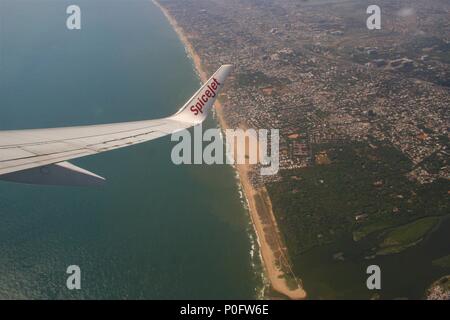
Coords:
pixel 39 156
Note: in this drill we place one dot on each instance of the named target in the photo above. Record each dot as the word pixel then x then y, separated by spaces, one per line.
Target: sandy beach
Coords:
pixel 274 257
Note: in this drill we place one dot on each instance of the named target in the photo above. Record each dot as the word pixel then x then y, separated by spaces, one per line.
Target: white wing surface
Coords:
pixel 38 156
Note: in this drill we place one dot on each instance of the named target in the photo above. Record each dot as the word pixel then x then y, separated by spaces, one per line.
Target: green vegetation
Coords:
pixel 435 162
pixel 407 235
pixel 369 229
pixel 440 47
pixel 443 262
pixel 259 79
pixel 363 191
pixel 322 114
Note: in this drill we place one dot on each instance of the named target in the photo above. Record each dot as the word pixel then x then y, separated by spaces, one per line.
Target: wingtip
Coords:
pixel 196 109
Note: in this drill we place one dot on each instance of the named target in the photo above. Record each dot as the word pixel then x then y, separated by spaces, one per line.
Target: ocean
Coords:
pixel 156 230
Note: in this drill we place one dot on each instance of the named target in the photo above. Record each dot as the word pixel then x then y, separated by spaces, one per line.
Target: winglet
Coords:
pixel 197 108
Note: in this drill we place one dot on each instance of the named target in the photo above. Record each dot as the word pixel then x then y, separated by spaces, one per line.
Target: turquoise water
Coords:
pixel 156 230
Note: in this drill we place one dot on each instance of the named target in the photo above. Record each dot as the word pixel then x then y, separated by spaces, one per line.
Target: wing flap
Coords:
pixel 7 154
pixel 58 174
pixel 50 148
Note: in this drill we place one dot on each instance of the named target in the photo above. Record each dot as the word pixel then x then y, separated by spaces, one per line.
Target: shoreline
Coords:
pixel 274 273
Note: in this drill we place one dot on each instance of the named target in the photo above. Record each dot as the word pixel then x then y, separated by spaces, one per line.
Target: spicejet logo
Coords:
pixel 211 92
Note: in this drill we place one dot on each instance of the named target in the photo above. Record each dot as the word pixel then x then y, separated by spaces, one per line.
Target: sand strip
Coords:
pixel 275 260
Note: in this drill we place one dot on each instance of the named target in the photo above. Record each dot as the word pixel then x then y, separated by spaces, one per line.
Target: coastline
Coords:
pixel 273 253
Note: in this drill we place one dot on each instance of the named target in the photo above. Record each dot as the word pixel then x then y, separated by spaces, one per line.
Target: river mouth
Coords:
pixel 338 271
